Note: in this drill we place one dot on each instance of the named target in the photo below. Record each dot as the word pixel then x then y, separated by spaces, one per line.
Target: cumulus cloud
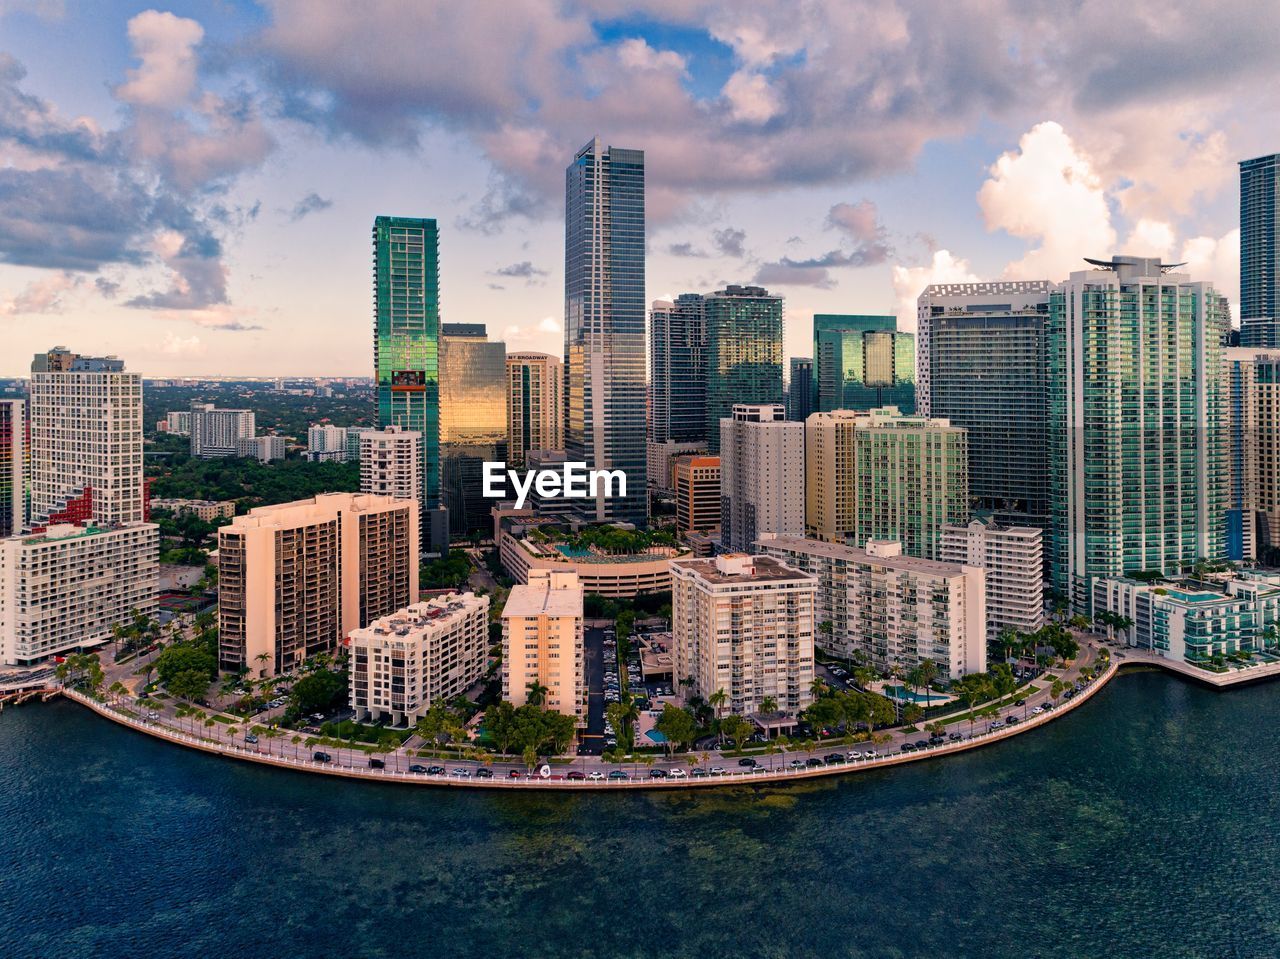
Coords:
pixel 750 97
pixel 910 281
pixel 165 47
pixel 45 295
pixel 175 345
pixel 1218 260
pixel 1047 192
pixel 729 241
pixel 546 335
pixel 198 277
pixel 870 246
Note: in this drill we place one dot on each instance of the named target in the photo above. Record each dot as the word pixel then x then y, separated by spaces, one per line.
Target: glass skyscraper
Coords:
pixel 604 338
pixel 473 421
pixel 677 370
pixel 13 467
pixel 1259 255
pixel 987 374
pixel 800 389
pixel 862 362
pixel 1137 464
pixel 406 349
pixel 744 353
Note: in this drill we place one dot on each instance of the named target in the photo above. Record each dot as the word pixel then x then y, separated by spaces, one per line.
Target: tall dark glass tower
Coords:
pixel 473 422
pixel 677 370
pixel 1259 254
pixel 406 349
pixel 862 363
pixel 604 340
pixel 801 389
pixel 744 352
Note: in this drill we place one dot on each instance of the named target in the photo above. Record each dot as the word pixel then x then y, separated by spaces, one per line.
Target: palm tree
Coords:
pixel 768 706
pixel 537 692
pixel 717 701
pixel 817 687
pixel 927 672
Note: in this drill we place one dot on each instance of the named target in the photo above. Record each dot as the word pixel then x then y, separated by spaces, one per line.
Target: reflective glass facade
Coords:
pixel 744 353
pixel 406 344
pixel 13 455
pixel 801 389
pixel 1137 460
pixel 677 371
pixel 604 335
pixel 473 422
pixel 862 362
pixel 1259 255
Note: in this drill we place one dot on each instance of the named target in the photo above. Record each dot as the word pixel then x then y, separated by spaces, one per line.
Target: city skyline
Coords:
pixel 214 162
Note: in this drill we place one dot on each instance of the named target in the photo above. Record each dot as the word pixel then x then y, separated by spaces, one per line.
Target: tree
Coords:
pixel 736 728
pixel 717 701
pixel 818 687
pixel 441 724
pixel 927 673
pixel 499 723
pixel 184 657
pixel 1057 689
pixel 190 684
pixel 678 726
pixel 530 756
pixel 317 690
pixel 825 712
pixel 537 692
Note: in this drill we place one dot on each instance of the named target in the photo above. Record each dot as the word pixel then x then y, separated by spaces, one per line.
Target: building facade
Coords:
pixel 801 389
pixel 604 336
pixel 429 652
pixel 982 365
pixel 744 624
pixel 473 421
pixel 535 414
pixel 910 479
pixel 203 509
pixel 697 483
pixel 830 487
pixel 178 422
pixel 391 463
pixel 861 362
pixel 86 440
pixel 13 467
pixel 262 448
pixel 326 443
pixel 891 609
pixel 1137 471
pixel 743 353
pixel 1013 557
pixel 1259 253
pixel 678 370
pixel 217 433
pixel 406 349
pixel 295 579
pixel 542 643
pixel 1251 401
pixel 63 589
pixel 761 476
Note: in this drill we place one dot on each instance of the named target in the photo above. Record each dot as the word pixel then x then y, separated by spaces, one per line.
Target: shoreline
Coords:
pixel 734 777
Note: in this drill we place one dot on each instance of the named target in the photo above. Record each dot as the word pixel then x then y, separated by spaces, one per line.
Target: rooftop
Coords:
pixel 542 600
pixel 854 555
pixel 758 569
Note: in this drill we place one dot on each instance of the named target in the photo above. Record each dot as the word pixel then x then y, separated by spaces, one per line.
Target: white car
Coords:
pixel 870 754
pixel 677 774
pixel 595 774
pixel 853 755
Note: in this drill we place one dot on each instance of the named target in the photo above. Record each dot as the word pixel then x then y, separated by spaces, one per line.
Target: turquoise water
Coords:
pixel 573 552
pixel 1138 826
pixel 903 694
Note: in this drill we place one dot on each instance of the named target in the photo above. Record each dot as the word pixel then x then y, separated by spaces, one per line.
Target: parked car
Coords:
pixel 748 762
pixel 718 770
pixel 250 738
pixel 321 757
pixel 595 775
pixel 484 773
pixel 618 774
pixel 435 770
pixel 417 768
pixel 576 774
pixel 375 763
pixel 513 774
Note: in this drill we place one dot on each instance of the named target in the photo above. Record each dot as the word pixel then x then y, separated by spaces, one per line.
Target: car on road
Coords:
pixel 907 748
pixel 418 768
pixel 832 758
pixel 1019 702
pixel 870 754
pixel 483 773
pixel 677 774
pixel 576 774
pixel 250 738
pixel 321 757
pixel 376 763
pixel 462 773
pixel 618 774
pixel 153 715
pixel 748 762
pixel 813 761
pixel 796 764
pixel 718 771
pixel 595 775
pixel 698 773
pixel 922 744
pixel 657 774
pixel 513 774
pixel 954 737
pixel 853 755
pixel 1012 721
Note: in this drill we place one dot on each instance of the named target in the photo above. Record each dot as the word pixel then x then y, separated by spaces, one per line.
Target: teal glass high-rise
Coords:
pixel 744 353
pixel 604 338
pixel 406 349
pixel 862 362
pixel 1137 459
pixel 1259 254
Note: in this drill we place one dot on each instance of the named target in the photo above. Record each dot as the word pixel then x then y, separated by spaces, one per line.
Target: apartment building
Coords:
pixel 205 509
pixel 1013 557
pixel 326 443
pixel 297 578
pixel 217 433
pixel 391 463
pixel 262 448
pixel 542 643
pixel 761 475
pixel 697 483
pixel 744 624
pixel 403 663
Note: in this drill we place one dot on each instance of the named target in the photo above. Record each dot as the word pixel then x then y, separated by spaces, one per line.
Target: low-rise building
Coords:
pixel 744 624
pixel 295 579
pixel 1013 557
pixel 542 643
pixel 895 610
pixel 429 652
pixel 326 443
pixel 62 590
pixel 262 448
pixel 217 433
pixel 205 509
pixel 661 458
pixel 697 485
pixel 1194 620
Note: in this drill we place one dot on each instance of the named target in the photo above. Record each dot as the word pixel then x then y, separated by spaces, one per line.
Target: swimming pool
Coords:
pixel 904 695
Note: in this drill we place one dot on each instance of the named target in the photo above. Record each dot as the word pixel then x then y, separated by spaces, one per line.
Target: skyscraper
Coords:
pixel 604 341
pixel 986 372
pixel 862 362
pixel 744 352
pixel 473 421
pixel 1259 254
pixel 801 390
pixel 391 463
pixel 13 467
pixel 761 476
pixel 86 440
pixel 406 349
pixel 1251 405
pixel 677 370
pixel 1137 472
pixel 535 415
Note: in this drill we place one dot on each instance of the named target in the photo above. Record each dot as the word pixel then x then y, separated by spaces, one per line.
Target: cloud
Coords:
pixel 686 249
pixel 165 46
pixel 175 345
pixel 910 281
pixel 729 241
pixel 546 334
pixel 311 203
pixel 523 270
pixel 861 223
pixel 45 295
pixel 1216 259
pixel 1047 192
pixel 198 277
pixel 751 99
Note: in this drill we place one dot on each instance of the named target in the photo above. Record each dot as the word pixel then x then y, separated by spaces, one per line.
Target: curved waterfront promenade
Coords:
pixel 735 776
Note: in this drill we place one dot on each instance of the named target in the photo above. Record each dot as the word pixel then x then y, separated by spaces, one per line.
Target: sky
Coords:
pixel 192 186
